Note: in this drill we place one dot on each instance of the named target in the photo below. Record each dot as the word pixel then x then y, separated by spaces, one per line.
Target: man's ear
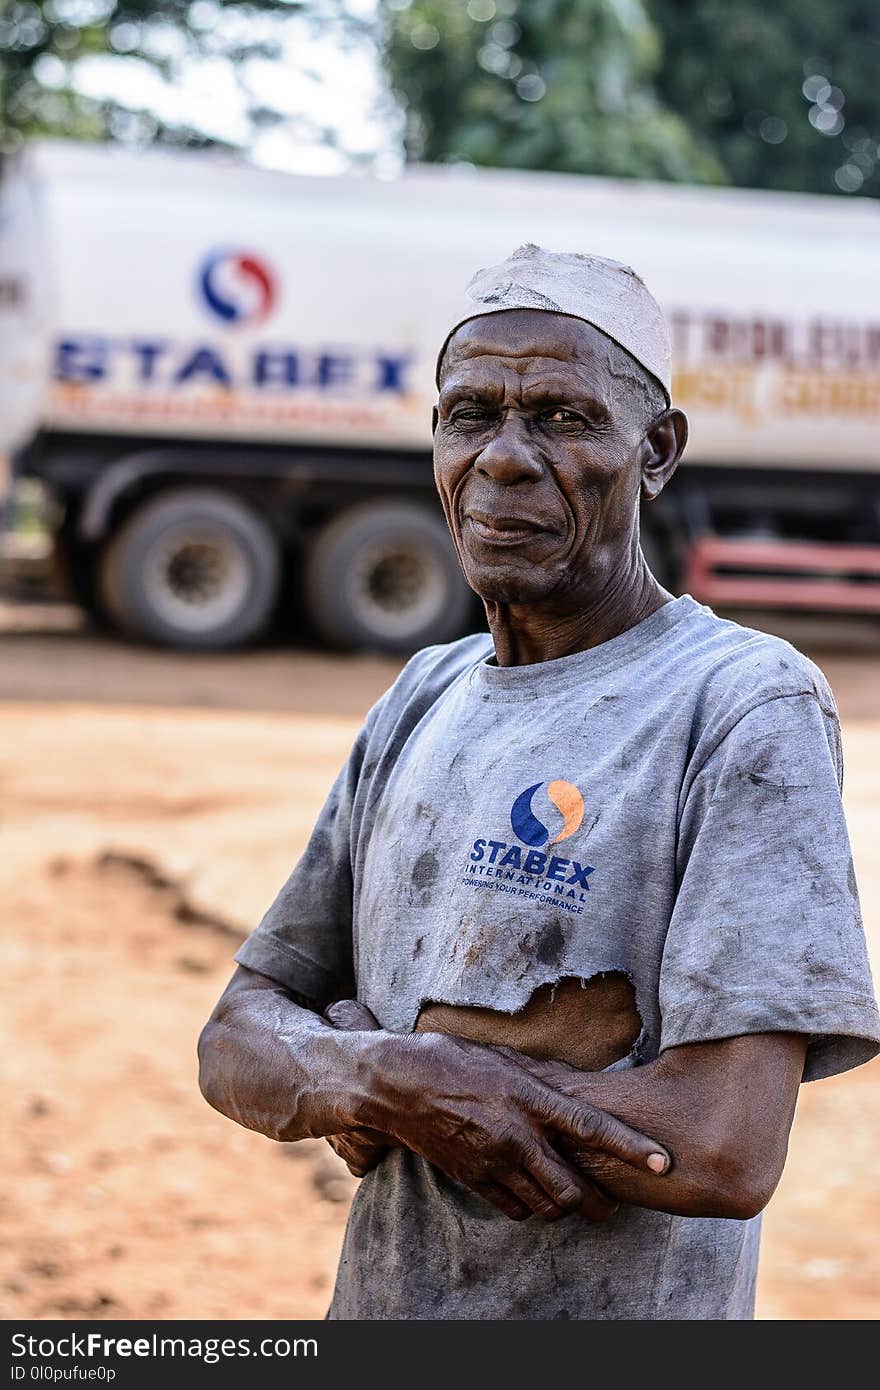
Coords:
pixel 435 416
pixel 660 450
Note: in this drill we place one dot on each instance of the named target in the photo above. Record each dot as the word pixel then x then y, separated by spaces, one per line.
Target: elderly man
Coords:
pixel 587 877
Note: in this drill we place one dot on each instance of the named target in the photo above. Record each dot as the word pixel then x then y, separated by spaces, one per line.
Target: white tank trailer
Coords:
pixel 221 380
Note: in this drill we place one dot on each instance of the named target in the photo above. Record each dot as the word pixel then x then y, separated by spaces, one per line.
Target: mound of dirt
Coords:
pixel 127 1197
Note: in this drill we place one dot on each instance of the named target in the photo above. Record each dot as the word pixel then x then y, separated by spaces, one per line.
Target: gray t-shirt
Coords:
pixel 666 804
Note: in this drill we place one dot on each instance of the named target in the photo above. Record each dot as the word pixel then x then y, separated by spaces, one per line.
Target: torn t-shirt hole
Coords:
pixel 588 1023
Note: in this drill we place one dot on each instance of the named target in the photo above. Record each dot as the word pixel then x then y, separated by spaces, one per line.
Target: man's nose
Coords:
pixel 510 457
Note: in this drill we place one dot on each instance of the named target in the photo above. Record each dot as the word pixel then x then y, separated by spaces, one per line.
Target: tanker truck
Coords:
pixel 23 321
pixel 236 376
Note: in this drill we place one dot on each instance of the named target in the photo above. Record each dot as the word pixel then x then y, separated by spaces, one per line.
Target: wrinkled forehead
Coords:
pixel 526 342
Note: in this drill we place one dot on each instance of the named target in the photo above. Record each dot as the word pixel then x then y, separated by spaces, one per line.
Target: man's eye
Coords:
pixel 474 416
pixel 561 416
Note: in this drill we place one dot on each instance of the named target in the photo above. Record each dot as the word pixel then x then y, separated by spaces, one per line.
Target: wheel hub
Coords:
pixel 197 578
pixel 396 589
pixel 195 573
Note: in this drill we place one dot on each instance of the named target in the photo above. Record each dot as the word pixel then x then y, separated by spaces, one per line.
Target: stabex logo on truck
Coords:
pixel 237 287
pixel 237 290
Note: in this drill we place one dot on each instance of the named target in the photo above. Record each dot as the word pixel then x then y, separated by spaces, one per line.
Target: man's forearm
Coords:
pixel 694 1186
pixel 277 1067
pixel 714 1106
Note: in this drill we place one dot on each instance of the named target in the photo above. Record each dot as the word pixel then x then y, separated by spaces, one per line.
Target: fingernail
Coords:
pixel 658 1163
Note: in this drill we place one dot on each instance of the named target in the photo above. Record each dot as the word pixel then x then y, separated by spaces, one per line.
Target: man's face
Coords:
pixel 538 455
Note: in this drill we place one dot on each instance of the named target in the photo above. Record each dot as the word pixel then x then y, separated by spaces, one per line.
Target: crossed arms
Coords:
pixel 531 1137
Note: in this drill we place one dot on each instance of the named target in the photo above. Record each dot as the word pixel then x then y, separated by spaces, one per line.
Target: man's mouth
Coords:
pixel 504 530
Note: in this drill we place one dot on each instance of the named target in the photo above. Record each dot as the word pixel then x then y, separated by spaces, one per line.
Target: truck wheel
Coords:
pixel 384 576
pixel 194 568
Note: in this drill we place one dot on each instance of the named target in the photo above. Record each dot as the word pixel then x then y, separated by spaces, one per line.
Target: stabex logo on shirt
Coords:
pixel 533 872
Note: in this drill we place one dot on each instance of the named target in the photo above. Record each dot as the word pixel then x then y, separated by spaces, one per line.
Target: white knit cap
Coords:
pixel 604 293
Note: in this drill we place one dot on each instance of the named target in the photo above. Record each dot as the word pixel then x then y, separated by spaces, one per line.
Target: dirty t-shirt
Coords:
pixel 666 805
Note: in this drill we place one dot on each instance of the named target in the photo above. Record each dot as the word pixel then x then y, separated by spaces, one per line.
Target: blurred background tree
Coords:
pixel 783 95
pixel 565 85
pixel 727 91
pixel 786 95
pixel 44 45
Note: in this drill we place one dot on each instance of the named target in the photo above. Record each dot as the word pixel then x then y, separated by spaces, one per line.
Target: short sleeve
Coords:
pixel 305 939
pixel 766 933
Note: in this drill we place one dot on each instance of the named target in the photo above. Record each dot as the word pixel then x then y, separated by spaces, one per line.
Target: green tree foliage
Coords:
pixel 43 42
pixel 783 95
pixel 787 94
pixel 565 85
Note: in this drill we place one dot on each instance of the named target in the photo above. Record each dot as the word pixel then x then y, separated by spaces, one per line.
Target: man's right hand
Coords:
pixel 488 1124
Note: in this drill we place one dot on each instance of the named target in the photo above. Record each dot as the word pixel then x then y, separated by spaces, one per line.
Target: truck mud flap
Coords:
pixel 826 577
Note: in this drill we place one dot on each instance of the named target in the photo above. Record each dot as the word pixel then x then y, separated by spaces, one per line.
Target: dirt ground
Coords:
pixel 152 805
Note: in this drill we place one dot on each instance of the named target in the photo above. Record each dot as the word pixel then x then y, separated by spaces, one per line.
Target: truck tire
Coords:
pixel 383 576
pixel 192 568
